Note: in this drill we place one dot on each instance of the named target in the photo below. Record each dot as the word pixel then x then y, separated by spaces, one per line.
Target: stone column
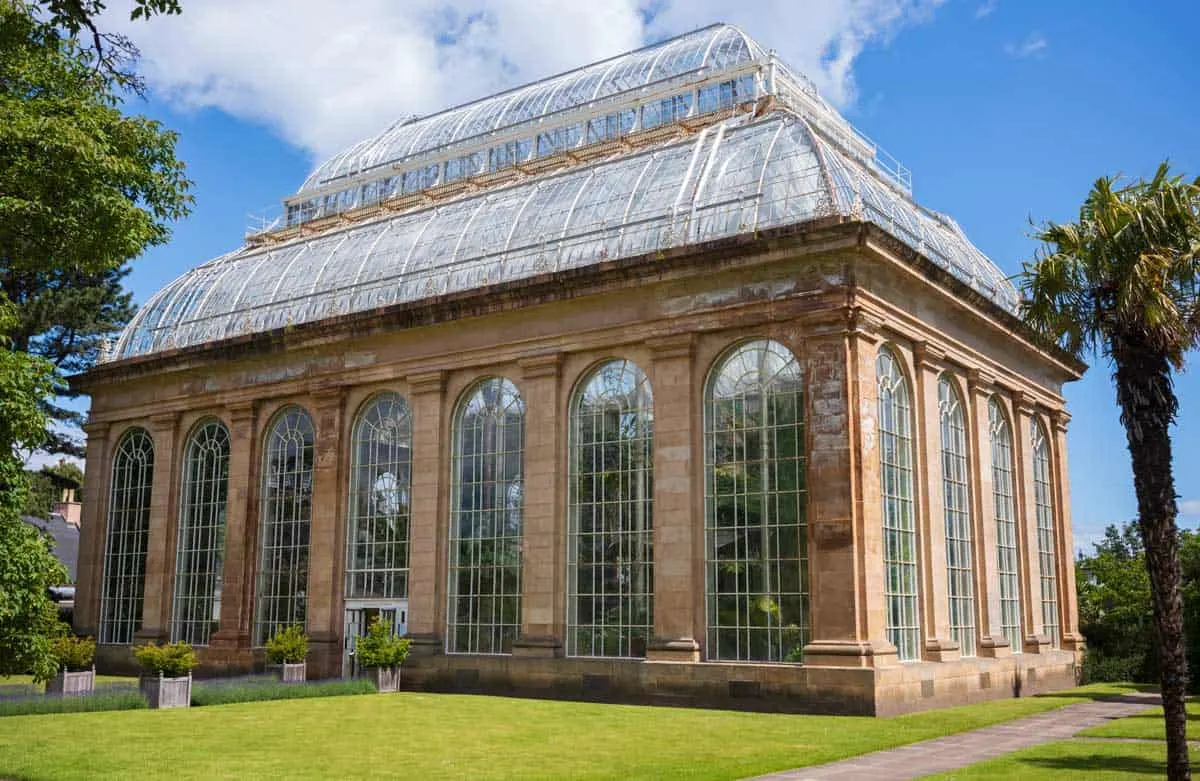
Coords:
pixel 931 509
pixel 1036 640
pixel 160 561
pixel 543 533
pixel 845 507
pixel 678 542
pixel 237 568
pixel 90 567
pixel 427 520
pixel 992 642
pixel 1068 601
pixel 326 553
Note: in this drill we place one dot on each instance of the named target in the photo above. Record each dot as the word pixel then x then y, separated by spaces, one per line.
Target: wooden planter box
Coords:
pixel 72 684
pixel 167 692
pixel 291 673
pixel 387 679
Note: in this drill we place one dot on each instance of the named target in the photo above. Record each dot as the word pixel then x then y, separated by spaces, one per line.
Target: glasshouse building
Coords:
pixel 648 380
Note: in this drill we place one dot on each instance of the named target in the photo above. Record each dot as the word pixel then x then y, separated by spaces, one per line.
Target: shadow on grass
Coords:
pixel 1098 763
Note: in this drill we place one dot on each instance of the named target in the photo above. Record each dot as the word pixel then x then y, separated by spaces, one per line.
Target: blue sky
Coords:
pixel 1003 110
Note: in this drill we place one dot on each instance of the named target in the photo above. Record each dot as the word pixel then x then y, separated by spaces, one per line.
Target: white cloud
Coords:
pixel 1034 45
pixel 986 8
pixel 1190 507
pixel 323 75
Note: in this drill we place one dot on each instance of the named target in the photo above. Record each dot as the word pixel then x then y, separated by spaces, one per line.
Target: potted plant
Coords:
pixel 166 678
pixel 76 672
pixel 287 649
pixel 382 653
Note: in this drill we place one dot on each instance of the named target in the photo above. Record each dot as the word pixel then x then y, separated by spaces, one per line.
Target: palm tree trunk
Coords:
pixel 1148 405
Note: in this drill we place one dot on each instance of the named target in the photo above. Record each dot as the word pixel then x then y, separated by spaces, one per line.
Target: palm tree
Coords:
pixel 1122 283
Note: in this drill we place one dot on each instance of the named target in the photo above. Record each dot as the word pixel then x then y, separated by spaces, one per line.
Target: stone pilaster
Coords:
pixel 1036 640
pixel 237 568
pixel 992 642
pixel 326 553
pixel 678 590
pixel 931 508
pixel 844 502
pixel 160 563
pixel 90 567
pixel 1068 602
pixel 427 524
pixel 543 535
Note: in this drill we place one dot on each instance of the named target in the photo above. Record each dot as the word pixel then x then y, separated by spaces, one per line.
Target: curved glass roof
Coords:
pixel 770 155
pixel 714 47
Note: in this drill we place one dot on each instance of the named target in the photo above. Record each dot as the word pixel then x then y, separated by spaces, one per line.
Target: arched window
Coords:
pixel 756 535
pixel 380 473
pixel 899 514
pixel 201 545
pixel 484 614
pixel 1006 525
pixel 1045 532
pixel 285 515
pixel 960 576
pixel 126 536
pixel 610 534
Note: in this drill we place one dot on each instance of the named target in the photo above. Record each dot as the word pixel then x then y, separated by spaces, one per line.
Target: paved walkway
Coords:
pixel 967 748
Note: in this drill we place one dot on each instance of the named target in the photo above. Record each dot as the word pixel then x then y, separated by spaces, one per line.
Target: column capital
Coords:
pixel 536 366
pixel 427 382
pixel 325 395
pixel 241 411
pixel 927 355
pixel 1024 404
pixel 1059 419
pixel 97 432
pixel 981 381
pixel 672 346
pixel 864 324
pixel 164 420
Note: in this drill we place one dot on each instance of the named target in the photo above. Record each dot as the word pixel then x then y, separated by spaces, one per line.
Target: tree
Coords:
pixel 1115 613
pixel 28 619
pixel 1122 282
pixel 46 486
pixel 84 188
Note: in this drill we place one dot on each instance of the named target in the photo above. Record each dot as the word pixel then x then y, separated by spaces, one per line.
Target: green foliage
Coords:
pixel 287 646
pixel 74 654
pixel 226 692
pixel 1115 609
pixel 84 188
pixel 173 660
pixel 98 701
pixel 28 619
pixel 379 647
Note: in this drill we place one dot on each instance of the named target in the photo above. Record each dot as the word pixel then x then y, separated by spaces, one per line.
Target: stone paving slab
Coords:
pixel 967 748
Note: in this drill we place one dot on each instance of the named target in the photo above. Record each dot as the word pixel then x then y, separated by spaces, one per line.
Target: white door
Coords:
pixel 359 616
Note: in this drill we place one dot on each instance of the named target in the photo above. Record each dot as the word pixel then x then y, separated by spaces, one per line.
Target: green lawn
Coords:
pixel 1146 726
pixel 452 736
pixel 1086 760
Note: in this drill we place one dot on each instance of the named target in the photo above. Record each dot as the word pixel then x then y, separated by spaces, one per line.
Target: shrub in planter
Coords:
pixel 288 649
pixel 166 673
pixel 76 674
pixel 382 652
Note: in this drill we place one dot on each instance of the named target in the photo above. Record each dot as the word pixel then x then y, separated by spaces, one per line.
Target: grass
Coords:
pixel 1089 760
pixel 1145 726
pixel 452 736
